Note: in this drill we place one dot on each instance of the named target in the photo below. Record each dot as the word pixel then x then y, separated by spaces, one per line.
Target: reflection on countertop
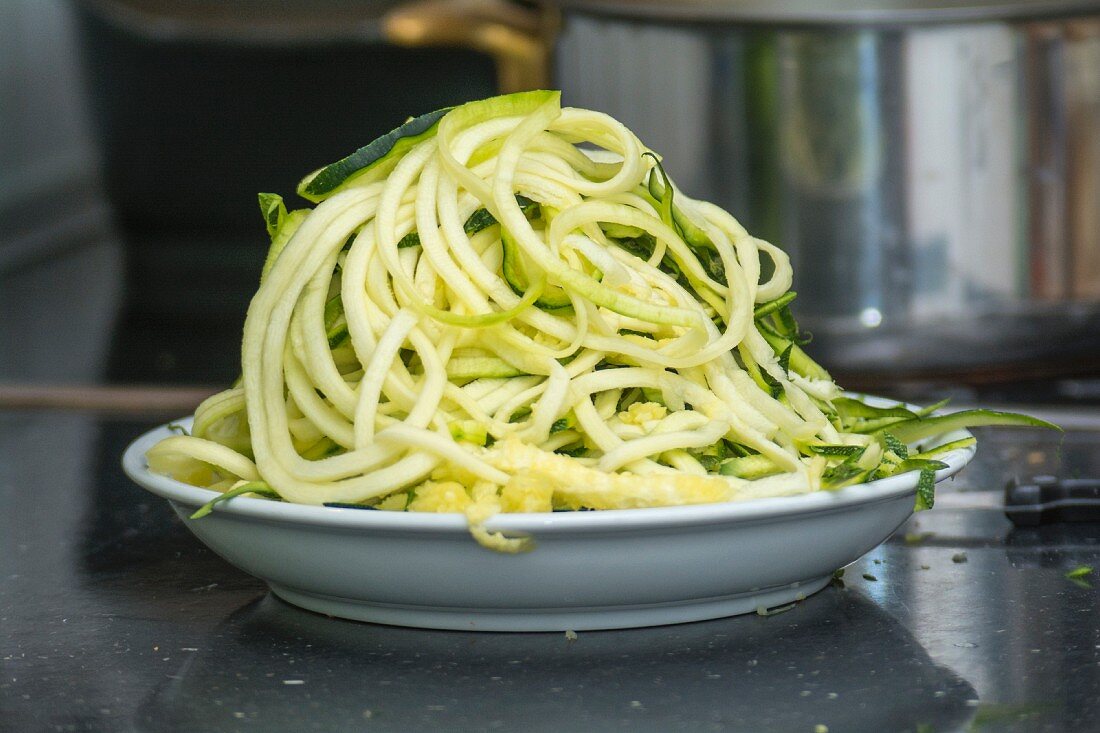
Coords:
pixel 823 661
pixel 112 617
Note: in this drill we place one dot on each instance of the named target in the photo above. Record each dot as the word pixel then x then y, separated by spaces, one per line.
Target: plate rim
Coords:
pixel 545 523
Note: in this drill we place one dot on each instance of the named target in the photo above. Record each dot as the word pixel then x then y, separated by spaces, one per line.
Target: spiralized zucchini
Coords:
pixel 517 311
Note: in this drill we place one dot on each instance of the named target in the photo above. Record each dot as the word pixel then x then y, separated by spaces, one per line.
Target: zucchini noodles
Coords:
pixel 509 307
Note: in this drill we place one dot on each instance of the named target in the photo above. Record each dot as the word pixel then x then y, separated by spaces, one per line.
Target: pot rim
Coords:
pixel 832 12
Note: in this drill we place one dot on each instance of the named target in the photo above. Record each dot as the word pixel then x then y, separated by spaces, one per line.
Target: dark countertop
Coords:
pixel 113 618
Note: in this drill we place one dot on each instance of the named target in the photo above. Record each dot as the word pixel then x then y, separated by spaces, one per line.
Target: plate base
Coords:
pixel 581 618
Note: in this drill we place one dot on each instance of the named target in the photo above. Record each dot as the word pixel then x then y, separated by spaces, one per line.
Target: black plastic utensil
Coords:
pixel 1050 500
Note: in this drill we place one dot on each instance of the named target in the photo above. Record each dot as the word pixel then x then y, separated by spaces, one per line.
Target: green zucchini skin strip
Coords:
pixel 918 464
pixel 694 237
pixel 766 309
pixel 671 214
pixel 749 467
pixel 478 221
pixel 484 320
pixel 799 361
pixel 939 450
pixel 890 443
pixel 849 408
pixel 926 491
pixel 913 430
pixel 273 210
pixel 513 271
pixel 936 407
pixel 259 488
pixel 288 225
pixel 324 182
pixel 844 474
pixel 475 367
pixel 504 105
pixel 763 380
pixel 836 451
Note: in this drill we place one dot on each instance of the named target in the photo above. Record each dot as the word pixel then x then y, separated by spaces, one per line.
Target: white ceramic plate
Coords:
pixel 589 570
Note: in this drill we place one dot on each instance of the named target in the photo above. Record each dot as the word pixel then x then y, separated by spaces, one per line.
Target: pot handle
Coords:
pixel 518 39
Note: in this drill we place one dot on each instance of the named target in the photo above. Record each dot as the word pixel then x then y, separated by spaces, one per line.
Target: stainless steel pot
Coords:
pixel 932 166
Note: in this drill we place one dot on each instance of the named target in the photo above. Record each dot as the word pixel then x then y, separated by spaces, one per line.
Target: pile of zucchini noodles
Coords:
pixel 507 306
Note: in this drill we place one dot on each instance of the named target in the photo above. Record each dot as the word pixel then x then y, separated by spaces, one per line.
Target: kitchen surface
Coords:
pixel 114 618
pixel 126 270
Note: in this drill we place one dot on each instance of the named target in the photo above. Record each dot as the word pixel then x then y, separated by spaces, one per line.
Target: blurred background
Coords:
pixel 932 166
